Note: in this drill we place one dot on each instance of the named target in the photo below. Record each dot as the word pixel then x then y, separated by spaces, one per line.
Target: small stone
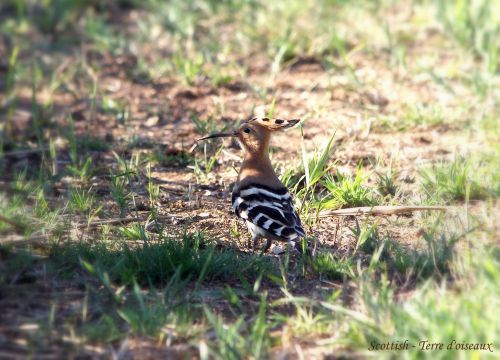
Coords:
pixel 152 121
pixel 277 250
pixel 406 177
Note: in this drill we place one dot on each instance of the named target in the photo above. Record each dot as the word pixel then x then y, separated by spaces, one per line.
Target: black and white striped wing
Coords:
pixel 270 209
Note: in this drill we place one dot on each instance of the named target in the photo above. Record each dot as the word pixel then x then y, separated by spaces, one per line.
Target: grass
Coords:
pixel 346 191
pixel 433 305
pixel 387 185
pixel 177 268
pixel 81 200
pixel 457 181
pixel 327 265
pixel 231 343
pixel 471 24
pixel 432 257
pixel 189 258
pixel 116 240
pixel 204 166
pixel 176 271
pixel 414 117
pixel 317 189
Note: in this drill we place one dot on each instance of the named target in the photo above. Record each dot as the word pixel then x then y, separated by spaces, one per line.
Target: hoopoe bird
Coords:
pixel 259 197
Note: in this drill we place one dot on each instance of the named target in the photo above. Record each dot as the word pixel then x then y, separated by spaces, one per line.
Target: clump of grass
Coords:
pixel 204 165
pixel 12 208
pixel 313 168
pixel 386 183
pixel 206 126
pixel 412 116
pixel 190 68
pixel 305 182
pixel 326 264
pixel 148 313
pixel 155 262
pixel 171 158
pixel 14 263
pixel 241 339
pixel 436 258
pixel 219 77
pixel 345 191
pixel 317 189
pixel 433 259
pixel 120 192
pixel 417 262
pixel 453 181
pixel 367 238
pixel 423 115
pixel 25 202
pixel 81 200
pixel 119 108
pixel 83 170
pixel 134 232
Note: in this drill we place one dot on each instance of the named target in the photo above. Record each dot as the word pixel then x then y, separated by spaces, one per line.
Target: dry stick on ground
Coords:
pixel 13 223
pixel 19 240
pixel 119 221
pixel 81 225
pixel 91 224
pixel 381 210
pixel 25 152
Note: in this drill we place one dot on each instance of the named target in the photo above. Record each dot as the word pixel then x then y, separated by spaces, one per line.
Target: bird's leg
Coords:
pixel 298 246
pixel 255 240
pixel 300 249
pixel 267 245
pixel 295 245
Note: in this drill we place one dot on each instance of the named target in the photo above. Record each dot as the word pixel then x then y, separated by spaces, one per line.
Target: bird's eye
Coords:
pixel 247 130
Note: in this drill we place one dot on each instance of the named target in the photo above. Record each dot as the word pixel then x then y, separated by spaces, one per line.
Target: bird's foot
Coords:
pixel 304 247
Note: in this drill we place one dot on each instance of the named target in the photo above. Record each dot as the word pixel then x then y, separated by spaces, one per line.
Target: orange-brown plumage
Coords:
pixel 256 166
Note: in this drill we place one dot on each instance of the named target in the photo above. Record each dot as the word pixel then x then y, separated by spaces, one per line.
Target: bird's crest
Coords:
pixel 273 124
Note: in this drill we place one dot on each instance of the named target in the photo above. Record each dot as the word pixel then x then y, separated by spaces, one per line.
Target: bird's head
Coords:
pixel 255 133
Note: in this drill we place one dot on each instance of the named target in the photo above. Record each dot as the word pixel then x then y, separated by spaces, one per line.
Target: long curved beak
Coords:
pixel 217 135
